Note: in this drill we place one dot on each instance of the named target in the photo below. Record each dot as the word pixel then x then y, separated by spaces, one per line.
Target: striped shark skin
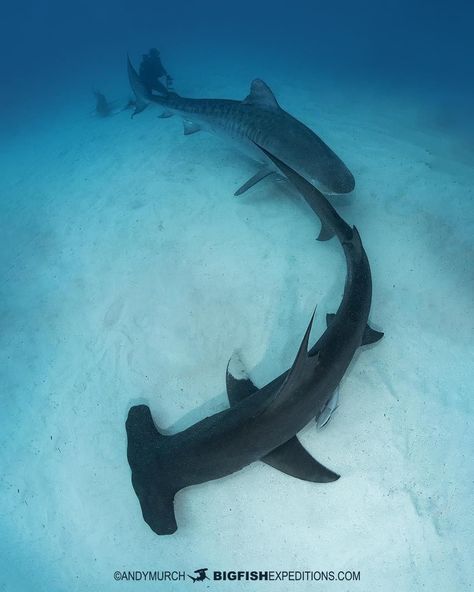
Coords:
pixel 258 119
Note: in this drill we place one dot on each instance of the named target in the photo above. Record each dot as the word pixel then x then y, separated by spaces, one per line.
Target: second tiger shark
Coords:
pixel 258 119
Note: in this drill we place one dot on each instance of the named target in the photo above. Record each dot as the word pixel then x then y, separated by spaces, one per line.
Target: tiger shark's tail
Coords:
pixel 142 96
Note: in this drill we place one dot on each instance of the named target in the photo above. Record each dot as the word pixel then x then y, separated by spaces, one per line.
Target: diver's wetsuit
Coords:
pixel 151 70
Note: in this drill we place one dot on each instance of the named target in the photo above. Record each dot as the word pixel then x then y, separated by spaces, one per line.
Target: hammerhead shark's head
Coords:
pixel 261 424
pixel 258 118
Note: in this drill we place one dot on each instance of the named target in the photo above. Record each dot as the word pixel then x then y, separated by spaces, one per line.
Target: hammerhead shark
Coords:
pixel 257 119
pixel 260 424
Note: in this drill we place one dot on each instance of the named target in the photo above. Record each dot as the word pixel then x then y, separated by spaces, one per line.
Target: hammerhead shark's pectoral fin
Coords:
pixel 238 383
pixel 371 335
pixel 261 174
pixel 190 127
pixel 326 233
pixel 294 460
pixel 290 458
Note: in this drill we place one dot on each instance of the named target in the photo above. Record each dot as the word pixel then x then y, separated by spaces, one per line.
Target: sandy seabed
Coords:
pixel 130 274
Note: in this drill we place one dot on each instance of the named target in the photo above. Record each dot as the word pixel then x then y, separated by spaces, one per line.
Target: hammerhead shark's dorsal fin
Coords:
pixel 303 366
pixel 259 175
pixel 260 94
pixel 290 458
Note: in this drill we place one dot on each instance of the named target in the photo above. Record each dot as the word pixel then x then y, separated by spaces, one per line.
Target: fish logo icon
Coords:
pixel 200 575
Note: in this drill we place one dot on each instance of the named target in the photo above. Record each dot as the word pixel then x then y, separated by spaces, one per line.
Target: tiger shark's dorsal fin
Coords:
pixel 260 94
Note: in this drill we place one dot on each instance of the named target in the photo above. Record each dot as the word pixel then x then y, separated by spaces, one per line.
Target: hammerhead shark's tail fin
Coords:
pixel 142 95
pixel 152 474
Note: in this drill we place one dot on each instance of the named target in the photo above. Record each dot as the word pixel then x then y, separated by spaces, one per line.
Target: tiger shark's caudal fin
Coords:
pixel 152 475
pixel 142 96
pixel 290 458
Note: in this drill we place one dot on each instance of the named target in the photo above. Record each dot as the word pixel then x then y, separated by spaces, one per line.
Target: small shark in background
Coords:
pixel 106 108
pixel 261 424
pixel 103 107
pixel 257 119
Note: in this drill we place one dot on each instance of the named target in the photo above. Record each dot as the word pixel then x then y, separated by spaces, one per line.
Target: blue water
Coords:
pixel 415 45
pixel 129 273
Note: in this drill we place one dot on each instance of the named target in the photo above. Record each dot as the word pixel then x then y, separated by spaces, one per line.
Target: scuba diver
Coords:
pixel 151 70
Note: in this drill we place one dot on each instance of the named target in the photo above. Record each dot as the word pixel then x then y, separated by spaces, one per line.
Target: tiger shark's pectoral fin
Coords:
pixel 290 458
pixel 261 174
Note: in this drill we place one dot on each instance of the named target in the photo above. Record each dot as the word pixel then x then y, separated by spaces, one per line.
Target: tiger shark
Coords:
pixel 257 119
pixel 260 424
